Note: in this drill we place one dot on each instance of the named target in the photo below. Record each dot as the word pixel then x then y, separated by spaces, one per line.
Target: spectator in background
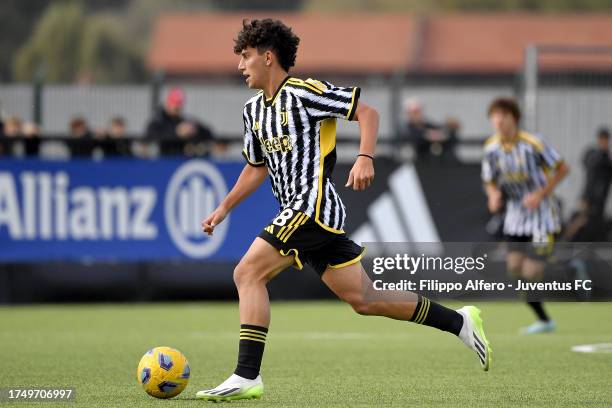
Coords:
pixel 13 127
pixel 175 133
pixel 596 161
pixel 3 143
pixel 20 139
pixel 117 128
pixel 446 147
pixel 111 140
pixel 164 124
pixel 31 130
pixel 428 138
pixel 418 130
pixel 11 132
pixel 588 223
pixel 31 134
pixel 81 143
pixel 79 128
pixel 584 226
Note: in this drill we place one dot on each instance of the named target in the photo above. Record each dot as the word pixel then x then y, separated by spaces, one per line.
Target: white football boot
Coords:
pixel 473 335
pixel 234 388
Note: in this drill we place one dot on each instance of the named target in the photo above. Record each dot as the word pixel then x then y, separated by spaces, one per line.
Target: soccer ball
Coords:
pixel 163 372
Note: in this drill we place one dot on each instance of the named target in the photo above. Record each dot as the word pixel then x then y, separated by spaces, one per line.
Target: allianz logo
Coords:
pixel 193 192
pixel 43 205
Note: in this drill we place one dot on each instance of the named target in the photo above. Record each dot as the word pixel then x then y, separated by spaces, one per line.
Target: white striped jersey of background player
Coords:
pixel 518 169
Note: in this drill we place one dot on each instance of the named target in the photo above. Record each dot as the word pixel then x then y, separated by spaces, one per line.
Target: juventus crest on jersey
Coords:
pixel 294 135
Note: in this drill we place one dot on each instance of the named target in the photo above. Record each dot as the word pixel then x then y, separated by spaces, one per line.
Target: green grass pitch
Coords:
pixel 317 354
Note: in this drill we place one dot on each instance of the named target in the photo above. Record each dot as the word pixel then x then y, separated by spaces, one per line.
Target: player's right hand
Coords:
pixel 495 201
pixel 361 175
pixel 214 219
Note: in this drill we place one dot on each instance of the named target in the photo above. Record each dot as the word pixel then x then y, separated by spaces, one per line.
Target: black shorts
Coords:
pixel 541 249
pixel 293 232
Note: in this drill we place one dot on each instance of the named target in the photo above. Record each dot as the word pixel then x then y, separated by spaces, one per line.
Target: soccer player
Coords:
pixel 290 132
pixel 520 172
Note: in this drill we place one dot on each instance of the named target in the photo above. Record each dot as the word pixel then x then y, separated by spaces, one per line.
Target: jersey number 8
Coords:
pixel 283 217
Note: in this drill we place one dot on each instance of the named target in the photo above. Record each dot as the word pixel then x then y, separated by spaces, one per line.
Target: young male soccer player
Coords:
pixel 523 170
pixel 290 136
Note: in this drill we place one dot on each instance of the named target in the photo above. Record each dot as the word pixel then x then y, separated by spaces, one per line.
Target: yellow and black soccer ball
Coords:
pixel 163 372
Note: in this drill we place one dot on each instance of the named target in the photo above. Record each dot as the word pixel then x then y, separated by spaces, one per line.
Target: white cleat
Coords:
pixel 540 327
pixel 234 388
pixel 472 334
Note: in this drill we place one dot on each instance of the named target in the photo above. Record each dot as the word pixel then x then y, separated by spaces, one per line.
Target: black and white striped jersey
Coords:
pixel 294 135
pixel 517 170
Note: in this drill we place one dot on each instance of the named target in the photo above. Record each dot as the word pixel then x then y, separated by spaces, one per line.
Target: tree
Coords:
pixel 52 45
pixel 17 17
pixel 105 53
pixel 67 44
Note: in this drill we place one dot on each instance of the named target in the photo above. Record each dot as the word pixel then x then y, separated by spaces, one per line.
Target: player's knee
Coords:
pixel 360 306
pixel 245 274
pixel 362 309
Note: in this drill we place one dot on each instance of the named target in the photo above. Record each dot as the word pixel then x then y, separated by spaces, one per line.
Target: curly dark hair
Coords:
pixel 508 105
pixel 268 34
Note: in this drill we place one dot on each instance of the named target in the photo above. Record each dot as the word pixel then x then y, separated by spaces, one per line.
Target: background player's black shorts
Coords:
pixel 542 249
pixel 294 233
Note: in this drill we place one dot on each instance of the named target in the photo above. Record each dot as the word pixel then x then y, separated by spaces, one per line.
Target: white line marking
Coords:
pixel 605 348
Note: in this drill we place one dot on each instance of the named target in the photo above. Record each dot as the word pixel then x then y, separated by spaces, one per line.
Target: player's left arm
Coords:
pixel 362 173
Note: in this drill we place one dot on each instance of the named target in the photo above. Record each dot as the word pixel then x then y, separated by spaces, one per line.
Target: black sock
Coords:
pixel 538 308
pixel 435 315
pixel 250 350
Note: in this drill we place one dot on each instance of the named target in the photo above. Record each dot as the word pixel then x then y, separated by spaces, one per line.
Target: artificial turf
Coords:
pixel 318 354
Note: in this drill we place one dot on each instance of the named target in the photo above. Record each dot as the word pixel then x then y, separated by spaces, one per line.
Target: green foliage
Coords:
pixel 105 55
pixel 53 45
pixel 67 45
pixel 16 19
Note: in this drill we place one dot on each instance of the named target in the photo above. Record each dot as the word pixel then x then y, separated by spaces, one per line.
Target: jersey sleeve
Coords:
pixel 489 171
pixel 549 156
pixel 323 100
pixel 252 148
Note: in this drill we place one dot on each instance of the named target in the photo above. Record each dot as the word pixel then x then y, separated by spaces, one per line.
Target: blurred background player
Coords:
pixel 291 124
pixel 520 172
